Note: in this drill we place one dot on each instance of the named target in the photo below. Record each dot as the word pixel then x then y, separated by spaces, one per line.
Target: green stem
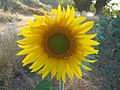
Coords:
pixel 61 84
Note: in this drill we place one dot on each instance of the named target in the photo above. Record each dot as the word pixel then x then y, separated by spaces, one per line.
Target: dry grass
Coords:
pixel 6 17
pixel 78 84
pixel 12 75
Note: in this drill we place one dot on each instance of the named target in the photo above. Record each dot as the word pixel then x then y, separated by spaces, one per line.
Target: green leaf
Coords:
pixel 45 84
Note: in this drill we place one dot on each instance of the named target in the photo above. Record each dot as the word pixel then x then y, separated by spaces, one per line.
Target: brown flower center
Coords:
pixel 58 43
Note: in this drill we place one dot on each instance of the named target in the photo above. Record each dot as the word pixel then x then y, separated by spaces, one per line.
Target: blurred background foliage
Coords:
pixel 106 71
pixel 108 66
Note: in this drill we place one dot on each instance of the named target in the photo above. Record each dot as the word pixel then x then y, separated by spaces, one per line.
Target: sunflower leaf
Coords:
pixel 45 84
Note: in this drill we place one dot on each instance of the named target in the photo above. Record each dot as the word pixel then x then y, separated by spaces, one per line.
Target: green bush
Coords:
pixel 108 65
pixel 108 30
pixel 116 38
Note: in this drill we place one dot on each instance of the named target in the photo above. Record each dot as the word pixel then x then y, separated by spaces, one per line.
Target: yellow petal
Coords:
pixel 76 59
pixel 69 71
pixel 34 31
pixel 30 58
pixel 90 61
pixel 47 19
pixel 66 16
pixel 86 67
pixel 53 11
pixel 44 12
pixel 37 68
pixel 38 18
pixel 76 69
pixel 88 42
pixel 28 40
pixel 54 68
pixel 25 28
pixel 88 49
pixel 79 20
pixel 27 46
pixel 31 22
pixel 59 70
pixel 59 8
pixel 46 66
pixel 24 32
pixel 37 64
pixel 71 18
pixel 67 11
pixel 63 64
pixel 31 35
pixel 27 51
pixel 58 16
pixel 73 12
pixel 85 36
pixel 85 27
pixel 45 74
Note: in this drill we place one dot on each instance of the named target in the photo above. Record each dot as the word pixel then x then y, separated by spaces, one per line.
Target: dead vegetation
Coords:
pixel 12 75
pixel 11 10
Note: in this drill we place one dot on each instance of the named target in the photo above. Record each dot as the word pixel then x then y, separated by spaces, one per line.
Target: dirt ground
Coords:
pixel 18 24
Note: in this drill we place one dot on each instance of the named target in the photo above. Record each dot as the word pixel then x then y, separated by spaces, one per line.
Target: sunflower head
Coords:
pixel 57 43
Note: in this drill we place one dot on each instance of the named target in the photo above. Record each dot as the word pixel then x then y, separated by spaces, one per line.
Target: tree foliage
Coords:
pixel 85 5
pixel 107 67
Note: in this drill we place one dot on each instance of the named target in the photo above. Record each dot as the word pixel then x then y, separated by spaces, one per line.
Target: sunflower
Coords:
pixel 57 44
